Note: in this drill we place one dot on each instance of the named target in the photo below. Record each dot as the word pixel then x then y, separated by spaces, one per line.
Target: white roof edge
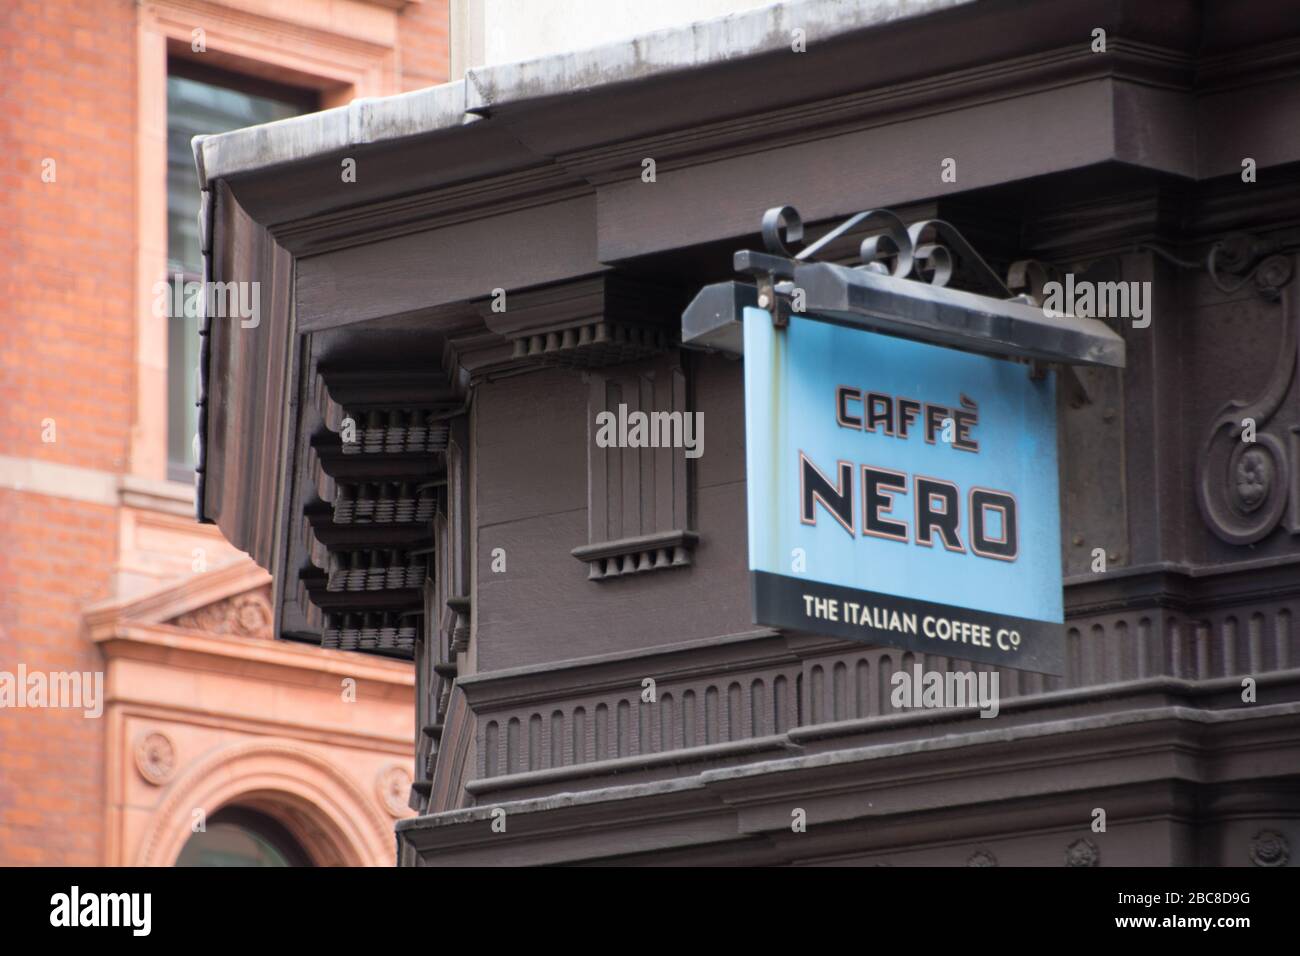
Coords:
pixel 767 29
pixel 362 122
pixel 379 119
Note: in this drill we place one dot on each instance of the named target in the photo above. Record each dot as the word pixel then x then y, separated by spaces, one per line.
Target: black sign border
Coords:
pixel 778 601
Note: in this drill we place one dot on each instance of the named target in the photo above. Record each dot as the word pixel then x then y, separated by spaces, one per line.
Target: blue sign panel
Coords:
pixel 902 493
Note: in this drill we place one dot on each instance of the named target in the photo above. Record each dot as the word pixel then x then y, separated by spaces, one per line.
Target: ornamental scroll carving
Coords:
pixel 1245 488
pixel 245 615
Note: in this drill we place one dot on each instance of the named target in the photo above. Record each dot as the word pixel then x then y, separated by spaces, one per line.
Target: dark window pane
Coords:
pixel 239 837
pixel 195 107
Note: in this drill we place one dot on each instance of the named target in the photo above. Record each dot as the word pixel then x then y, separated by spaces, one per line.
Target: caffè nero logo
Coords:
pixel 941 509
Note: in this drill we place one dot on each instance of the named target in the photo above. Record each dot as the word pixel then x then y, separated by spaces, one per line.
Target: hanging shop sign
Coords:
pixel 902 493
pixel 901 451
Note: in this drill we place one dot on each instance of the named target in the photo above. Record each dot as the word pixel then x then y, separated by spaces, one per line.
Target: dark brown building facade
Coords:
pixel 407 440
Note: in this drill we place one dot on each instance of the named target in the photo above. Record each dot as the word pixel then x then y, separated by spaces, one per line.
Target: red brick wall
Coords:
pixel 424 48
pixel 66 255
pixel 67 353
pixel 51 761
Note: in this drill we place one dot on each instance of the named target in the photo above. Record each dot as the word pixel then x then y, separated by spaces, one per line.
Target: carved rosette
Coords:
pixel 1082 852
pixel 1270 848
pixel 244 615
pixel 392 787
pixel 155 757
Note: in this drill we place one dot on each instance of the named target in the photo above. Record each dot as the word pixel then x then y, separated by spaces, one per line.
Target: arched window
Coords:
pixel 236 836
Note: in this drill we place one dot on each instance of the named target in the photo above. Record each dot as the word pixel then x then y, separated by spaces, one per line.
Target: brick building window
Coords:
pixel 201 100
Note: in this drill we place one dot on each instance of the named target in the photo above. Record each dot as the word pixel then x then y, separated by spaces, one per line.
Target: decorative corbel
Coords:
pixel 590 323
pixel 1249 466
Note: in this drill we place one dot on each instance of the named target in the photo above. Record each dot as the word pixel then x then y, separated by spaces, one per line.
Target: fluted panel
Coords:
pixel 855 682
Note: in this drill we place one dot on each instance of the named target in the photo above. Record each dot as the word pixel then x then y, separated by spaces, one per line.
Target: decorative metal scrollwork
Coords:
pixel 927 251
pixel 773 220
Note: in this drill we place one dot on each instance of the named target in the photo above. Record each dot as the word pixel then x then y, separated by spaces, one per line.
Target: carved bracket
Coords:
pixel 652 552
pixel 608 320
